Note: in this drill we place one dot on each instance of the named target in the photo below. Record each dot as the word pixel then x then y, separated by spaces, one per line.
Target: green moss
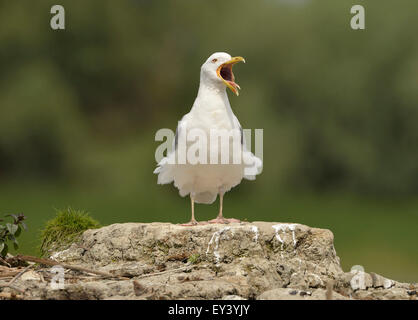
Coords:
pixel 60 232
pixel 194 258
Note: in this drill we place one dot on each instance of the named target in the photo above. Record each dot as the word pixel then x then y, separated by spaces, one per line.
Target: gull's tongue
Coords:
pixel 235 85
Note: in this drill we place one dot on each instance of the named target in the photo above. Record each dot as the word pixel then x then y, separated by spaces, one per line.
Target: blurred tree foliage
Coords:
pixel 339 107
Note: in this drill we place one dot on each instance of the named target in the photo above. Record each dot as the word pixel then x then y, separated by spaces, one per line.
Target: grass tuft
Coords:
pixel 63 230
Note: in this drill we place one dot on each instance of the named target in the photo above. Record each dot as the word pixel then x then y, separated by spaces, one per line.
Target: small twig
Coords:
pixel 5 262
pixel 10 283
pixel 163 272
pixel 42 277
pixel 50 262
pixel 8 274
pixel 6 278
pixel 76 277
pixel 19 274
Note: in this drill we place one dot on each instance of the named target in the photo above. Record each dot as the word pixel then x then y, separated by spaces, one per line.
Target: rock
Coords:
pixel 30 276
pixel 280 294
pixel 259 260
pixel 381 282
pixel 321 294
pixel 361 280
pixel 291 294
pixel 382 294
pixel 233 297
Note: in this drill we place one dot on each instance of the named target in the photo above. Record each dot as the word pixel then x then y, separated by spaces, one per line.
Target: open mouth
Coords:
pixel 224 72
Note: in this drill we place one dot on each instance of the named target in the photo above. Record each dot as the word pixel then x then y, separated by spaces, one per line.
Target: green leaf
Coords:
pixel 18 231
pixel 12 228
pixel 13 216
pixel 15 244
pixel 5 249
pixel 2 246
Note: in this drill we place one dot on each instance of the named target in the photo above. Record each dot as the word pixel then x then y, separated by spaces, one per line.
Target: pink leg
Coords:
pixel 193 221
pixel 220 218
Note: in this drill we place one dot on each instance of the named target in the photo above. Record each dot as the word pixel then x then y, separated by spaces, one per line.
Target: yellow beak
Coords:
pixel 224 72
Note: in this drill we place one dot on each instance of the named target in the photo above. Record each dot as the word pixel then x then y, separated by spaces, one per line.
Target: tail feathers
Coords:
pixel 165 177
pixel 255 168
pixel 164 172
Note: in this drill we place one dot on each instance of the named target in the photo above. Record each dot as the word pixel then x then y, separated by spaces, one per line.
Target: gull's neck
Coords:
pixel 212 90
pixel 211 96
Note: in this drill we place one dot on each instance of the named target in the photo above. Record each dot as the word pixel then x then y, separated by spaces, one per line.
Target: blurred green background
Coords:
pixel 79 109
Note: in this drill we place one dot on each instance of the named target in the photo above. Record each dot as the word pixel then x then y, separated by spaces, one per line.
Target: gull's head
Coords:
pixel 218 70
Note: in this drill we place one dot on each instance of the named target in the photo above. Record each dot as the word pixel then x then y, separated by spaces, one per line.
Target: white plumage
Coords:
pixel 211 111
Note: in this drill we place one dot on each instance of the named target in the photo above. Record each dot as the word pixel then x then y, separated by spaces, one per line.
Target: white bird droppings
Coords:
pixel 284 227
pixel 214 241
pixel 255 230
pixel 56 255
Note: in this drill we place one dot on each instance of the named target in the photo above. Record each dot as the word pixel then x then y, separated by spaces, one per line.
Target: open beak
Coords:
pixel 224 72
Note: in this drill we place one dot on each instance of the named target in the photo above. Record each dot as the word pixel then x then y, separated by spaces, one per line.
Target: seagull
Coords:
pixel 211 110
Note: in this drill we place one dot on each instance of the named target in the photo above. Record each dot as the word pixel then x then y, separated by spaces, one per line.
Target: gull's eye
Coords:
pixel 214 60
